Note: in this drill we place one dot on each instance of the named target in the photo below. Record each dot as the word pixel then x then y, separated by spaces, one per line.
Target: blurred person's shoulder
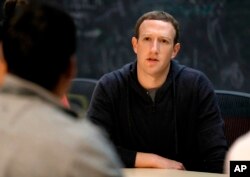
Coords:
pixel 239 151
pixel 240 148
pixel 62 143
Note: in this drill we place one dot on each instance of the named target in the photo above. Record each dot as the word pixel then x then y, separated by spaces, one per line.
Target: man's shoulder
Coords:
pixel 188 73
pixel 37 115
pixel 190 78
pixel 192 72
pixel 120 75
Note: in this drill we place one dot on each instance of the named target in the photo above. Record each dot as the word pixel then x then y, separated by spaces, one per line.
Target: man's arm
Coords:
pixel 149 160
pixel 100 113
pixel 211 138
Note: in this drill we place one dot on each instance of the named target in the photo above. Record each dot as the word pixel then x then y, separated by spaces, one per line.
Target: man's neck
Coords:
pixel 151 81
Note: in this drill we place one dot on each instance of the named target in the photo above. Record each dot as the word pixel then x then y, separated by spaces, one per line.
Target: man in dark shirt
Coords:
pixel 159 113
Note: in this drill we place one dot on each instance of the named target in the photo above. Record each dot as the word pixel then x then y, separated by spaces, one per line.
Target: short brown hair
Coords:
pixel 10 6
pixel 158 15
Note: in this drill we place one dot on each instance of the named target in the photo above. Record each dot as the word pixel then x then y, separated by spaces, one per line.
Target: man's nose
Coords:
pixel 155 46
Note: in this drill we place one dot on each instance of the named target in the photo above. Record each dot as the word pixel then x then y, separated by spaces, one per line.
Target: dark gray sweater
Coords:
pixel 183 123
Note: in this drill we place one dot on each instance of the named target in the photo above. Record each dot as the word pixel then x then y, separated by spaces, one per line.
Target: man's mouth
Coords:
pixel 152 59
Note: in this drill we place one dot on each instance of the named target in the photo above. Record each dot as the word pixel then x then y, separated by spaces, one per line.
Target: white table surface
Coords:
pixel 152 172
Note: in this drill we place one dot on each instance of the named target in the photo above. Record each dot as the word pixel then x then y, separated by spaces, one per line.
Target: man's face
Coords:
pixel 155 47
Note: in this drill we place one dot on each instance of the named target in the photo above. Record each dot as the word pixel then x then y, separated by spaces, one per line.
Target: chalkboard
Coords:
pixel 214 36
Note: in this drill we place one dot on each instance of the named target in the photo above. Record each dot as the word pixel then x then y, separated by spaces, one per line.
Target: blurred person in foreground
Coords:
pixel 39 137
pixel 159 113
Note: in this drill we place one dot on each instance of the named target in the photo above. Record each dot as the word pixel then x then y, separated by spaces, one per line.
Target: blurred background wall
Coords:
pixel 215 36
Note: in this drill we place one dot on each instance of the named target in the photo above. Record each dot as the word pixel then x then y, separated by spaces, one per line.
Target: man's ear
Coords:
pixel 134 42
pixel 72 69
pixel 177 47
pixel 3 65
pixel 65 79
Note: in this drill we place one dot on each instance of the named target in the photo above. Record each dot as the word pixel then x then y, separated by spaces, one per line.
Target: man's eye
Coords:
pixel 164 41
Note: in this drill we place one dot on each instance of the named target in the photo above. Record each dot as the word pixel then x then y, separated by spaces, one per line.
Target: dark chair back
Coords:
pixel 235 110
pixel 80 94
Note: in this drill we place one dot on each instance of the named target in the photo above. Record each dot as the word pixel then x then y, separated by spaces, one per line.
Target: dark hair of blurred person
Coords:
pixel 9 7
pixel 42 47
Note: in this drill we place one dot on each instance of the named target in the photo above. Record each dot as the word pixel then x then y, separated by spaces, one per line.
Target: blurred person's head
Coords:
pixel 39 45
pixel 9 7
